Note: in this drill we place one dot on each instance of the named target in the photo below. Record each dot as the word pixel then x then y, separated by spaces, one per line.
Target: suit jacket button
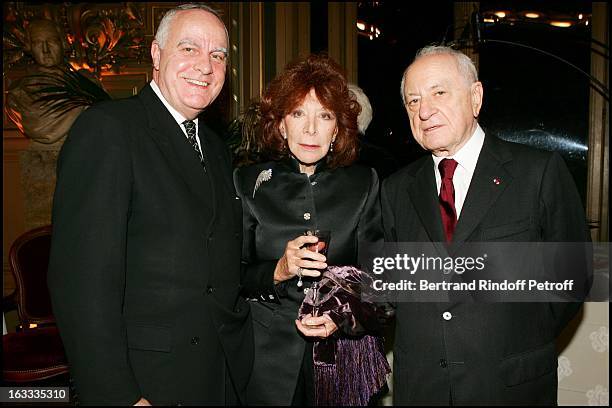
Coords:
pixel 195 340
pixel 443 363
pixel 447 315
pixel 237 309
pixel 306 216
pixel 210 289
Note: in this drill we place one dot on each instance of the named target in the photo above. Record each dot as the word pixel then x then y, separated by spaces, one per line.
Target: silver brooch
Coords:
pixel 265 175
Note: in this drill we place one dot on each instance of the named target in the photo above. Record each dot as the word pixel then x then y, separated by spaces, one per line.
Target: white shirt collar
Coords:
pixel 467 156
pixel 175 114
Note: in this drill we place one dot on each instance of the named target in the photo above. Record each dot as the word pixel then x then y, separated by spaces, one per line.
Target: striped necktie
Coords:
pixel 190 127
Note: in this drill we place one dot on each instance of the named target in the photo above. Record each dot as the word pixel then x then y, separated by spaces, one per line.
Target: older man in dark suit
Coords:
pixel 474 188
pixel 145 263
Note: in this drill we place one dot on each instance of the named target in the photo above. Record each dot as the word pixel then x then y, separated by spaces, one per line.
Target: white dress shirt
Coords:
pixel 466 157
pixel 175 114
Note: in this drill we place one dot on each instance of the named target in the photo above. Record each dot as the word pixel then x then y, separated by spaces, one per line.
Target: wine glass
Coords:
pixel 321 246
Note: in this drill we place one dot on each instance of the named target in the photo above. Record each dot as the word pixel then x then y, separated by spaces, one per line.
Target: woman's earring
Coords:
pixel 285 142
pixel 331 147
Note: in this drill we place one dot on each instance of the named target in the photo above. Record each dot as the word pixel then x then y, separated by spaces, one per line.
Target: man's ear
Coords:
pixel 155 54
pixel 476 96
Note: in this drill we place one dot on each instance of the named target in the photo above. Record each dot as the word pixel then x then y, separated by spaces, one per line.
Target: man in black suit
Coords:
pixel 145 263
pixel 486 190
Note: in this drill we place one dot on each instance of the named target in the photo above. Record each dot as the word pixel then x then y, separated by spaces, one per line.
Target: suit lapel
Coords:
pixel 176 150
pixel 482 194
pixel 424 197
pixel 214 160
pixel 490 179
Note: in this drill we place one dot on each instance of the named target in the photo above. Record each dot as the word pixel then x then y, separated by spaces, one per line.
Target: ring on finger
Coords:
pixel 299 271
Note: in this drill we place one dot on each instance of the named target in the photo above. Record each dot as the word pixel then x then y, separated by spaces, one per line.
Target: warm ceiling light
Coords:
pixel 532 15
pixel 586 22
pixel 488 20
pixel 361 26
pixel 580 16
pixel 562 24
pixel 377 31
pixel 500 14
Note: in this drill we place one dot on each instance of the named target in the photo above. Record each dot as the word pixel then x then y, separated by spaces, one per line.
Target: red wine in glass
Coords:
pixel 322 245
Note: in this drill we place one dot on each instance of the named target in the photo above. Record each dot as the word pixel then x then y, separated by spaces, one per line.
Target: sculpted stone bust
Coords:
pixel 46 130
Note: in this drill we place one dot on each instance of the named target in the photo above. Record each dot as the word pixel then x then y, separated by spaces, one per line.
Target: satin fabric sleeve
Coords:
pixel 370 228
pixel 388 216
pixel 390 235
pixel 352 315
pixel 257 277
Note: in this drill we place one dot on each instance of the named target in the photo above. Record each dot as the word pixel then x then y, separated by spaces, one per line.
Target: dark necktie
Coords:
pixel 190 127
pixel 447 197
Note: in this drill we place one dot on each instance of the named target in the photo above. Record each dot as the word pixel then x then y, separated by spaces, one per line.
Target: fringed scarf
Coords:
pixel 352 368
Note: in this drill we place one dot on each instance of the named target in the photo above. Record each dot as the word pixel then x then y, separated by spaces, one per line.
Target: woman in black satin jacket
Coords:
pixel 308 127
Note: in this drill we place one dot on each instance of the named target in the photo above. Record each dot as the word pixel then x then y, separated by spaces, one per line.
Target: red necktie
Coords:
pixel 447 197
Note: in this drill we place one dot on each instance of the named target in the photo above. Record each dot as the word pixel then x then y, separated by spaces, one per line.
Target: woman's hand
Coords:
pixel 319 326
pixel 298 260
